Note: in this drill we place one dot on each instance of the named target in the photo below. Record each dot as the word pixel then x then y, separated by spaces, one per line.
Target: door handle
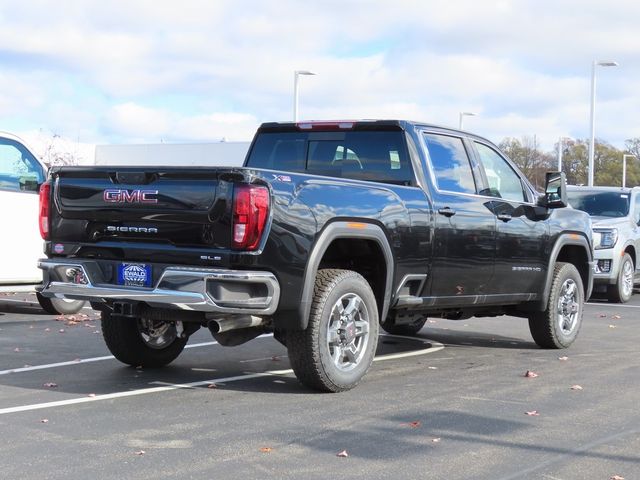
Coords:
pixel 504 217
pixel 447 212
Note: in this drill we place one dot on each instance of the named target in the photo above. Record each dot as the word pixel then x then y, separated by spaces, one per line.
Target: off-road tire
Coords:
pixel 310 351
pixel 59 306
pixel 556 327
pixel 622 292
pixel 124 340
pixel 408 330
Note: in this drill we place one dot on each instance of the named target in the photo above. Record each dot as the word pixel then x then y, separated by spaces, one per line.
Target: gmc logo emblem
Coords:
pixel 116 195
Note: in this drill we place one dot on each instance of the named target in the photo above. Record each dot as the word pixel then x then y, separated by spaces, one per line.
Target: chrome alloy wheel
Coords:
pixel 157 334
pixel 568 307
pixel 627 278
pixel 348 332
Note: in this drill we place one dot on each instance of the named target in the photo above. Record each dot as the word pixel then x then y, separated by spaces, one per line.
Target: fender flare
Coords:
pixel 344 229
pixel 564 240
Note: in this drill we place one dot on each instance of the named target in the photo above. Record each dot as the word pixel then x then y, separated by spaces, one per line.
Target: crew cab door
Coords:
pixel 20 243
pixel 464 236
pixel 522 238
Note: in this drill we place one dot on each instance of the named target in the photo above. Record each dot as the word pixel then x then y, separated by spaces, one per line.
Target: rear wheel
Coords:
pixel 622 291
pixel 558 325
pixel 59 306
pixel 338 346
pixel 142 341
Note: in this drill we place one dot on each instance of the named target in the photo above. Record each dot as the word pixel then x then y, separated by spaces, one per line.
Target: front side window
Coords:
pixel 504 182
pixel 19 170
pixel 450 163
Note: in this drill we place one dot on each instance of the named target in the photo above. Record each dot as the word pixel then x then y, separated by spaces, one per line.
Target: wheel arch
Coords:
pixel 351 245
pixel 575 249
pixel 630 249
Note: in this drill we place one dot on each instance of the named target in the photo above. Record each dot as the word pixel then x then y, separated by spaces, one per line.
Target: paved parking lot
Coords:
pixel 451 404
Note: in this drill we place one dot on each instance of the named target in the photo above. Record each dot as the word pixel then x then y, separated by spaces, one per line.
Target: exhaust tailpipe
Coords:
pixel 235 322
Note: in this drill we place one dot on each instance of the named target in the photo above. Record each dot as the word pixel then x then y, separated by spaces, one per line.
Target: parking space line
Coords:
pixel 431 348
pixel 81 360
pixel 607 305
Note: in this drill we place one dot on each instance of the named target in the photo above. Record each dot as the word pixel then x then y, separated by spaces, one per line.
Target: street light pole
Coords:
pixel 560 145
pixel 296 74
pixel 592 141
pixel 462 114
pixel 624 168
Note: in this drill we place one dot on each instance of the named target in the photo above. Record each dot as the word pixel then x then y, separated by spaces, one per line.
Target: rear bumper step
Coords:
pixel 185 288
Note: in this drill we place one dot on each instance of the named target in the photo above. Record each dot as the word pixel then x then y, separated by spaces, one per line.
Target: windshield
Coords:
pixel 600 204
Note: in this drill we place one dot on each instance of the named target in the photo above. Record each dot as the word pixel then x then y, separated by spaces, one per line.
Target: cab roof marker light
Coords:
pixel 321 125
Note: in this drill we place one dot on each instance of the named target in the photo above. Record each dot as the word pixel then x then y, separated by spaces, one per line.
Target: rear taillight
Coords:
pixel 43 217
pixel 250 213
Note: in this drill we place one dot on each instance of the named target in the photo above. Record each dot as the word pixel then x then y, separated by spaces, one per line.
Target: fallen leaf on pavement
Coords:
pixel 616 317
pixel 212 385
pixel 576 387
pixel 50 385
pixel 530 374
pixel 415 424
pixel 602 315
pixel 44 420
pixel 533 413
pixel 343 453
pixel 140 452
pixel 266 449
pixel 616 477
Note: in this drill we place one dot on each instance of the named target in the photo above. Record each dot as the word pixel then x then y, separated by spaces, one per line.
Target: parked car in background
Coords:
pixel 21 175
pixel 615 213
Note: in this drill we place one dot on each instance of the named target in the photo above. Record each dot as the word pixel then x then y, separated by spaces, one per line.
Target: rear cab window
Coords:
pixel 373 155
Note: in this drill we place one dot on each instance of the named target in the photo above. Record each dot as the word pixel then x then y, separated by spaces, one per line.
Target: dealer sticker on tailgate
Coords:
pixel 134 274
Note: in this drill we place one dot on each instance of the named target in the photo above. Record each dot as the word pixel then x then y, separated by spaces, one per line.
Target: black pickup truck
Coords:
pixel 328 232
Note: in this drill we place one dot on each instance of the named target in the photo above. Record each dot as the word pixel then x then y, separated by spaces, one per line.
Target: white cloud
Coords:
pixel 111 71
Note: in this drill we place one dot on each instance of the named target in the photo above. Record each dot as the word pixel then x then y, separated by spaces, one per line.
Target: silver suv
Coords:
pixel 615 213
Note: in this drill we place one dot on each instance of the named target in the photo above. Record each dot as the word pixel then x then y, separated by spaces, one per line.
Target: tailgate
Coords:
pixel 180 207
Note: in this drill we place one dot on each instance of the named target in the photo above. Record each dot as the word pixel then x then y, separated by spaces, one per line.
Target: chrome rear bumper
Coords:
pixel 185 288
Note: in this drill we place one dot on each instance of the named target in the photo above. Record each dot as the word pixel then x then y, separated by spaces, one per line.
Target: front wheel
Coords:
pixel 622 291
pixel 141 341
pixel 558 325
pixel 338 346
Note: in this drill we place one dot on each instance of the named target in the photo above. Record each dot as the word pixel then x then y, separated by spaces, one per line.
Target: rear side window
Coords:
pixel 379 156
pixel 450 163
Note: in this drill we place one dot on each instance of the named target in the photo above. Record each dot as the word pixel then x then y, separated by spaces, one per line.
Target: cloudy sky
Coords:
pixel 191 71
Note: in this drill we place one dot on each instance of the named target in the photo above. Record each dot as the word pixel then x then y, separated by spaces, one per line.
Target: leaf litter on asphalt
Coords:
pixel 533 413
pixel 342 454
pixel 530 374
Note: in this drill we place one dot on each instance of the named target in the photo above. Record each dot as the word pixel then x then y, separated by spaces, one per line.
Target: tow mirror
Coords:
pixel 555 191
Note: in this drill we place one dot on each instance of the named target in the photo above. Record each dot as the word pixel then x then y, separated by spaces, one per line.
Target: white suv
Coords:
pixel 615 213
pixel 21 175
